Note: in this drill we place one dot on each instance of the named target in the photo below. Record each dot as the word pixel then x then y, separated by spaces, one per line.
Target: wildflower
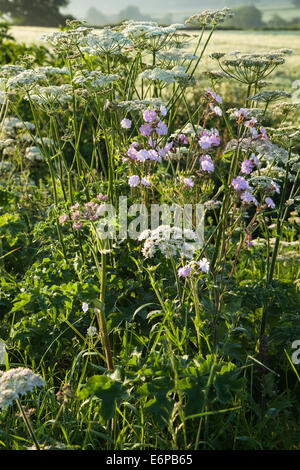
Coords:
pixel 77 225
pixel 216 110
pixel 275 187
pixel 183 139
pixel 63 219
pixel 133 150
pixel 145 129
pixel 145 182
pixel 247 167
pixel 126 123
pixel 240 184
pixel 189 183
pixel 214 95
pixel 209 139
pixel 204 265
pixel 134 181
pixel 91 331
pixel 263 133
pixel 163 110
pixel 185 271
pixel 162 128
pixel 102 197
pixel 270 203
pixel 170 241
pixel 85 307
pixel 150 115
pixel 207 163
pixel 17 382
pixel 248 198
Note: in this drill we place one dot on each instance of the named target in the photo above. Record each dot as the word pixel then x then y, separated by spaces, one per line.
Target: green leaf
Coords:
pixel 108 390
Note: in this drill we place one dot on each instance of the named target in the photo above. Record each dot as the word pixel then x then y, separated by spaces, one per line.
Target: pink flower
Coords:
pixel 209 139
pixel 63 219
pixel 102 197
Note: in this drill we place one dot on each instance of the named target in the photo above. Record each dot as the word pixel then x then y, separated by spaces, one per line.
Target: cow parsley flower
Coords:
pixel 170 241
pixel 15 383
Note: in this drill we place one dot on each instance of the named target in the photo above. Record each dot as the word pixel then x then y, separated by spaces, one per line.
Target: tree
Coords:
pixel 133 13
pixel 296 3
pixel 34 12
pixel 246 17
pixel 96 17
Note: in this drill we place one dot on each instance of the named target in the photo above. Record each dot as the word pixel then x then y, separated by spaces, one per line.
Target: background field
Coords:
pixel 226 41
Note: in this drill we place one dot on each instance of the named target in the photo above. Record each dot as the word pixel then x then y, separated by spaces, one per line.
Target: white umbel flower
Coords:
pixel 15 383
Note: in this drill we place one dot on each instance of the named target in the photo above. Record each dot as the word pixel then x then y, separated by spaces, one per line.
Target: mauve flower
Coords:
pixel 270 203
pixel 275 187
pixel 163 110
pixel 248 198
pixel 162 128
pixel 77 225
pixel 263 133
pixel 240 184
pixel 149 115
pixel 183 139
pixel 247 167
pixel 189 183
pixel 209 139
pixel 185 271
pixel 134 181
pixel 216 110
pixel 146 129
pixel 251 122
pixel 133 150
pixel 85 307
pixel 215 96
pixel 142 155
pixel 207 163
pixel 126 123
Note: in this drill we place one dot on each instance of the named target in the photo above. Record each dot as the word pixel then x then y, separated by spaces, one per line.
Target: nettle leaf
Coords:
pixel 108 390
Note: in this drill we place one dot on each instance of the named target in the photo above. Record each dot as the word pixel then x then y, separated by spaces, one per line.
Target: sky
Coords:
pixel 79 8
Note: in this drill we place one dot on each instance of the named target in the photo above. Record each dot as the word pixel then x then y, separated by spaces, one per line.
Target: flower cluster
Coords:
pixel 15 383
pixel 194 267
pixel 91 211
pixel 170 241
pixel 210 17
